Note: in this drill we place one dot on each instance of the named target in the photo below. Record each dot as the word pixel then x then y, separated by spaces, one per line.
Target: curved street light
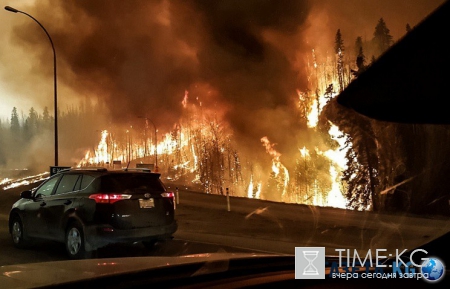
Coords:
pixel 11 9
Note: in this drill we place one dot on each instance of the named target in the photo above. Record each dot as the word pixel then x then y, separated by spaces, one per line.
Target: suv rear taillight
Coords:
pixel 109 198
pixel 168 195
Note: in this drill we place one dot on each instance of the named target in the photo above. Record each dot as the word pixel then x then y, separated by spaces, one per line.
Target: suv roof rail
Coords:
pixel 97 169
pixel 138 169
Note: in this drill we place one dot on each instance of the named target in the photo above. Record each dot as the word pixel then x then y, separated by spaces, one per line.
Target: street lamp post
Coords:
pixel 156 140
pixel 10 9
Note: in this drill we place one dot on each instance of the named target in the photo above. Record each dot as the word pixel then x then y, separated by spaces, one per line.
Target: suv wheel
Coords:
pixel 150 244
pixel 17 232
pixel 75 245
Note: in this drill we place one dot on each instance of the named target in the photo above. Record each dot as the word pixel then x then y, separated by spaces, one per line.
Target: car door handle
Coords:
pixel 68 202
pixel 43 204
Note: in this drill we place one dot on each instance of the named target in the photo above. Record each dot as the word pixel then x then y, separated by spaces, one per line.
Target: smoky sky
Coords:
pixel 141 56
pixel 238 57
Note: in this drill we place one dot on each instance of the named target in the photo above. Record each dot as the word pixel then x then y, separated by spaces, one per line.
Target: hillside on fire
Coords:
pixel 241 105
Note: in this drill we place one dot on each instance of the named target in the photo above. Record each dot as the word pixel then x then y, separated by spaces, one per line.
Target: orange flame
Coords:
pixel 186 153
pixel 278 168
pixel 185 99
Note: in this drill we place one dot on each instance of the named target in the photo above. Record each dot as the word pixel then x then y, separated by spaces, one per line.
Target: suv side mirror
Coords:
pixel 26 195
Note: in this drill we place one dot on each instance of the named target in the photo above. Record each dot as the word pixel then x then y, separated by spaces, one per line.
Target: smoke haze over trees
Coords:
pixel 242 65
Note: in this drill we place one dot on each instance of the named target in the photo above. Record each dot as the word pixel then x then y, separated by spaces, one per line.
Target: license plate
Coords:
pixel 146 204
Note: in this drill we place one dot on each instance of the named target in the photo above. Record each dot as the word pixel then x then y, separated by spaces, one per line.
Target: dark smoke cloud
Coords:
pixel 140 56
pixel 252 74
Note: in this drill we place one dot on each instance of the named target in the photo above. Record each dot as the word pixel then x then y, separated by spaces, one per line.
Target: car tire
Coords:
pixel 17 233
pixel 74 241
pixel 150 245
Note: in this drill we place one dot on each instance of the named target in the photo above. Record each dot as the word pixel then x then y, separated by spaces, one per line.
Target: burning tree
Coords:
pixel 312 181
pixel 277 184
pixel 219 164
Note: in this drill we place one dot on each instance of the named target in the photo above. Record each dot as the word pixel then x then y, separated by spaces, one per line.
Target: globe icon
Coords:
pixel 433 268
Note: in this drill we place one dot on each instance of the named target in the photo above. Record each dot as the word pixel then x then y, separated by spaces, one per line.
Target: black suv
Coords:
pixel 90 208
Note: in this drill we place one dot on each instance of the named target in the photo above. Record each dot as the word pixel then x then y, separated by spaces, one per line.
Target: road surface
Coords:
pixel 206 225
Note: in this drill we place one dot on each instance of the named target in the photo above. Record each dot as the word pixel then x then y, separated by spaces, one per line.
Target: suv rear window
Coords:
pixel 121 182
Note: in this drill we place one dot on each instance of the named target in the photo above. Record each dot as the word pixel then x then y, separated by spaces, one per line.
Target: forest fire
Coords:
pixel 247 104
pixel 200 150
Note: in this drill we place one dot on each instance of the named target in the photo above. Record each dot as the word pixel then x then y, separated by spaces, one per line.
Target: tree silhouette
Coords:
pixel 408 28
pixel 15 125
pixel 358 45
pixel 31 126
pixel 360 63
pixel 381 37
pixel 339 50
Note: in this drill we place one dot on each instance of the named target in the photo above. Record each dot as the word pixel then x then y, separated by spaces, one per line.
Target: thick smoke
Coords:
pixel 244 59
pixel 140 57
